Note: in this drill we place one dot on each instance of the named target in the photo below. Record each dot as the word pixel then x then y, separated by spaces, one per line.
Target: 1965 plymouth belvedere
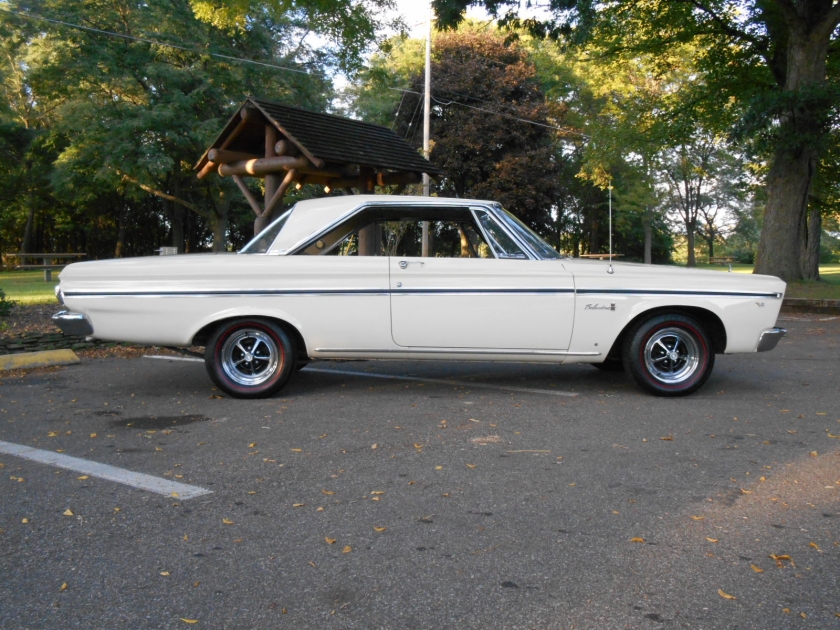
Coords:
pixel 346 277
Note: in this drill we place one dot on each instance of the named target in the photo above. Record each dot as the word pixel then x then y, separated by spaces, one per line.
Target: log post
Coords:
pixel 368 242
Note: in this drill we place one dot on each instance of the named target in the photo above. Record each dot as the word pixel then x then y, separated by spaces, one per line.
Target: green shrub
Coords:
pixel 6 306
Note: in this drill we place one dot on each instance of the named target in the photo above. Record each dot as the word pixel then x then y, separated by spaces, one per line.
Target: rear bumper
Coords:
pixel 769 338
pixel 72 323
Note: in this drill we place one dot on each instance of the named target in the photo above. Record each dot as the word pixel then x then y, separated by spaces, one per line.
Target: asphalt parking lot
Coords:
pixel 455 496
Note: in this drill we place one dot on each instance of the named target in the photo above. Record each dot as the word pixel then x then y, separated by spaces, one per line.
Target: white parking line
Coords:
pixel 170 358
pixel 104 471
pixel 524 390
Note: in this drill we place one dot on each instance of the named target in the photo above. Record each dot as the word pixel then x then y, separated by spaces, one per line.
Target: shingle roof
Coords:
pixel 329 138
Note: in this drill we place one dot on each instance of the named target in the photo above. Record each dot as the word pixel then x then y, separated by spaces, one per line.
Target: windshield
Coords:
pixel 534 241
pixel 261 243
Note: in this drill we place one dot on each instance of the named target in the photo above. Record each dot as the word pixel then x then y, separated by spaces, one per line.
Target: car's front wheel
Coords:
pixel 669 355
pixel 250 358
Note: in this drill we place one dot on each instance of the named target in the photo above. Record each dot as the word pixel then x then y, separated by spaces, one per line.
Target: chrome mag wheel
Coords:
pixel 250 357
pixel 672 355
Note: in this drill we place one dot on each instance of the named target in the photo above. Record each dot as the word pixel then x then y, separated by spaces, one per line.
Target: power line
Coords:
pixel 154 42
pixel 488 111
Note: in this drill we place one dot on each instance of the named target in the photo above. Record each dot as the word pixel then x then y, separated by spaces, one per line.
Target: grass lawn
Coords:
pixel 828 288
pixel 28 287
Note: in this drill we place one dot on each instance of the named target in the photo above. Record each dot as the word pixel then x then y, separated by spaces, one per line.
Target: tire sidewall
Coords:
pixel 634 354
pixel 215 369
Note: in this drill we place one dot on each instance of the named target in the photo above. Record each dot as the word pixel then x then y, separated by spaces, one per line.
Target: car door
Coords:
pixel 482 303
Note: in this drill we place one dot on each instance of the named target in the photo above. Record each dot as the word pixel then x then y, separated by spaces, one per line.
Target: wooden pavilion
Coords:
pixel 291 146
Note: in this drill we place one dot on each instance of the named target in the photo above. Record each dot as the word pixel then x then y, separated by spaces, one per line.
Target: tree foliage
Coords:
pixel 766 69
pixel 108 104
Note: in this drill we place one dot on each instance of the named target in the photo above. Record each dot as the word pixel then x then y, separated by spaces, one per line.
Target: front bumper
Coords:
pixel 769 338
pixel 72 323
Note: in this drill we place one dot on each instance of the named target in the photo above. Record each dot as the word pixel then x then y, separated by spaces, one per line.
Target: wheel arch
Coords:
pixel 200 338
pixel 710 321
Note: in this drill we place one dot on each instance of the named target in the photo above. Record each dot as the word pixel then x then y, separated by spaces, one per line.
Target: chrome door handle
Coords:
pixel 404 263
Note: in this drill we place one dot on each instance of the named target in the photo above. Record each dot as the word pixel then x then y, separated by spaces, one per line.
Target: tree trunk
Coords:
pixel 647 221
pixel 176 214
pixel 220 226
pixel 711 242
pixel 780 250
pixel 689 233
pixel 26 246
pixel 788 187
pixel 811 233
pixel 118 250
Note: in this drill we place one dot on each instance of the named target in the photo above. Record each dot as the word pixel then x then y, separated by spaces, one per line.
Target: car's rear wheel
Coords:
pixel 250 358
pixel 669 355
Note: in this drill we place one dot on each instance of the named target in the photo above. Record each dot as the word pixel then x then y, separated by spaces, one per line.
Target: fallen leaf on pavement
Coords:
pixel 726 595
pixel 68 512
pixel 470 465
pixel 814 545
pixel 667 438
pixel 298 504
pixel 756 569
pixel 379 529
pixel 83 478
pixel 227 521
pixel 327 492
pixel 698 518
pixel 63 587
pixel 637 540
pixel 329 540
pixel 780 560
pixel 712 540
pixel 191 620
pixel 347 549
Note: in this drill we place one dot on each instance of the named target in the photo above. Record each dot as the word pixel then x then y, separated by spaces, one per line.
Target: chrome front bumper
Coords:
pixel 769 339
pixel 72 323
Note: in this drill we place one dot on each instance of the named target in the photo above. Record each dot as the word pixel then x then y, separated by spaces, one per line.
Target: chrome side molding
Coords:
pixel 769 338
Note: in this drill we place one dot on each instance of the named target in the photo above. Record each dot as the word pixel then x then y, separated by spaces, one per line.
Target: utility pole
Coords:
pixel 427 104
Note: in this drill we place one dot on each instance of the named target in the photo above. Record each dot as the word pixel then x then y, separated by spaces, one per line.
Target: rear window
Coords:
pixel 261 243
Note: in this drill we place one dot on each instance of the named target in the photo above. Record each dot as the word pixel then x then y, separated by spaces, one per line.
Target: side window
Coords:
pixel 448 239
pixel 453 234
pixel 503 244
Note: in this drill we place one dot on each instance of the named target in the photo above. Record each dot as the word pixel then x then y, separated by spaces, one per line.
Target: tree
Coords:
pixel 127 96
pixel 765 61
pixel 703 182
pixel 492 130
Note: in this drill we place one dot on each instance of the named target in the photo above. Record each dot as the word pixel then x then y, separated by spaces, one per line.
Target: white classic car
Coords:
pixel 352 278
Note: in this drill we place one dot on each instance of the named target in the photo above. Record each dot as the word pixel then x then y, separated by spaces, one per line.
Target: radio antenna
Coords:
pixel 609 187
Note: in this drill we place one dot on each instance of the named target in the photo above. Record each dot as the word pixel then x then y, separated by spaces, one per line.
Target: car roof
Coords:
pixel 311 216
